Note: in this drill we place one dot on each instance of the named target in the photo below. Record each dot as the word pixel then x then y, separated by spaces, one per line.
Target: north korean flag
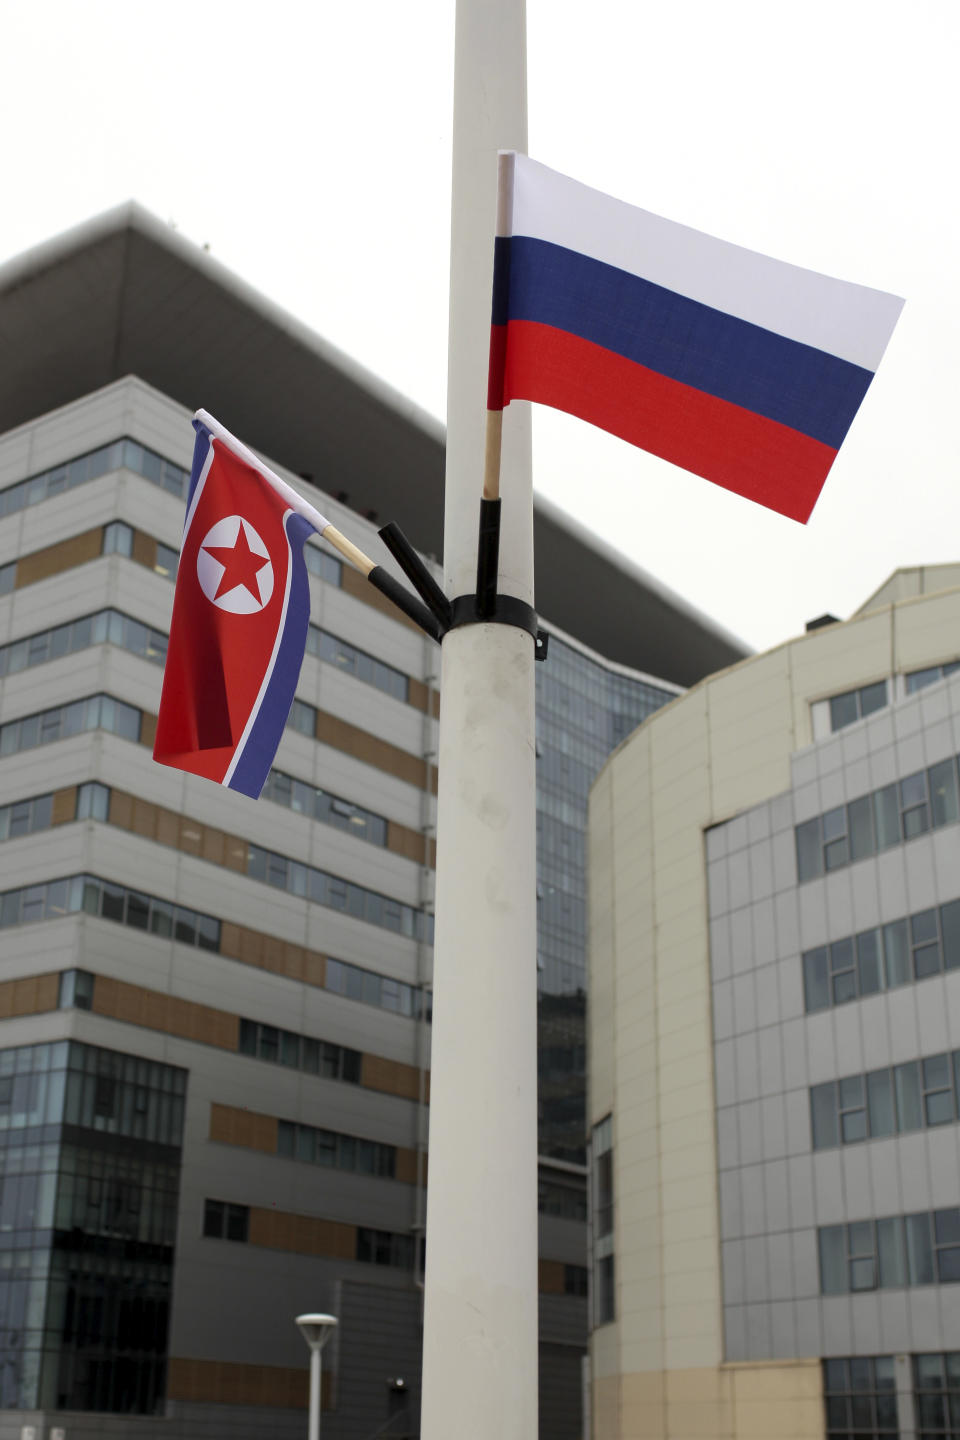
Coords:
pixel 240 615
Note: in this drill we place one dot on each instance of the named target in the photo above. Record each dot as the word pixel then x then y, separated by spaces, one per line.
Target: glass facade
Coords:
pixel 584 710
pixel 90 1145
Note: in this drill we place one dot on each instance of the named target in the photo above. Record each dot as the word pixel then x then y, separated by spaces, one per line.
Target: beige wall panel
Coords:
pixel 605 1351
pixel 689 1231
pixel 605 1397
pixel 828 662
pixel 927 632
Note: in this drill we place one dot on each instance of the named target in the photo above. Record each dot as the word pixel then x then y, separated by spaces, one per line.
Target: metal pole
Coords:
pixel 480 1320
pixel 314 1425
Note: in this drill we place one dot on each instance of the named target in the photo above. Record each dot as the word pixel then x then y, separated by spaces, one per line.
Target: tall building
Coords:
pixel 775 1041
pixel 214 1014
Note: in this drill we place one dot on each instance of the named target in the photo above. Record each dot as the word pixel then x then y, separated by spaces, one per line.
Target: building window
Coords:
pixel 936 1386
pixel 860 1396
pixel 575 1280
pixel 76 990
pixel 603 1259
pixel 106 626
pixel 335 893
pixel 384 1247
pixel 93 801
pixel 872 823
pixel 325 566
pixel 299 1052
pixel 50 899
pixel 857 704
pixel 899 1250
pixel 336 1151
pixel 303 717
pixel 126 454
pixel 117 539
pixel 895 954
pixel 914 1096
pixel 223 1221
pixel 334 651
pixel 97 712
pixel 167 561
pixel 25 817
pixel 919 679
pixel 320 805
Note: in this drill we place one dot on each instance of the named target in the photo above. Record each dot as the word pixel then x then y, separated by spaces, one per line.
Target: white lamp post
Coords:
pixel 316 1330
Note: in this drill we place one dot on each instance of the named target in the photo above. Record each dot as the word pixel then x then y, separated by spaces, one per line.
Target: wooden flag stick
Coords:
pixel 348 550
pixel 491 457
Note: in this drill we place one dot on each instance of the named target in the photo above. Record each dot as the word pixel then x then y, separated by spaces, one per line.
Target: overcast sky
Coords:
pixel 309 145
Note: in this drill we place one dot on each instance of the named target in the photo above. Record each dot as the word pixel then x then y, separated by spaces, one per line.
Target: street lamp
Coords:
pixel 316 1330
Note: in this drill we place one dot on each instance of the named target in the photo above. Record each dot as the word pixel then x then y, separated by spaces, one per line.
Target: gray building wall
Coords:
pixel 774 1189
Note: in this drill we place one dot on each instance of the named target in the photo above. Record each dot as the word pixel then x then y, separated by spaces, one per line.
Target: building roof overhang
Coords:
pixel 124 294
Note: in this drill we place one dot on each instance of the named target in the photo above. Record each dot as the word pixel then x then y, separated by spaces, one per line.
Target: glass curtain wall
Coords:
pixel 90 1147
pixel 584 710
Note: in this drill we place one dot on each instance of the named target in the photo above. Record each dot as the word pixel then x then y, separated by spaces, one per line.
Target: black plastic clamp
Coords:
pixel 505 610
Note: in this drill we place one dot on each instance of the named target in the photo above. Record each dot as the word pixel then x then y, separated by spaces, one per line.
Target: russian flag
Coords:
pixel 743 369
pixel 240 614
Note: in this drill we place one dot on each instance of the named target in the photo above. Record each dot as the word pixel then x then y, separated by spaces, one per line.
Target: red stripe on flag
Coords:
pixel 757 458
pixel 498 355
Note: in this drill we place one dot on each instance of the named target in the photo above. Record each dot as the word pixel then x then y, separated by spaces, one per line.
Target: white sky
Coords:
pixel 309 145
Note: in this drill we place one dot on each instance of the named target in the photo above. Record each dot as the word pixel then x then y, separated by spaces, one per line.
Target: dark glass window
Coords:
pixel 860 1398
pixel 224 1221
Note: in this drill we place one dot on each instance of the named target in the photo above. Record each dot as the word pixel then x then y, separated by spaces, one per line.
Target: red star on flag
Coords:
pixel 240 565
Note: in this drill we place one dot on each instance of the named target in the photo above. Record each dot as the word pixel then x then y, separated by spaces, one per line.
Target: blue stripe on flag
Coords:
pixel 794 384
pixel 253 766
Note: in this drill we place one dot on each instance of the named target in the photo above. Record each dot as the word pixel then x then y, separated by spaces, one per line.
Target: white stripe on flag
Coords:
pixel 850 321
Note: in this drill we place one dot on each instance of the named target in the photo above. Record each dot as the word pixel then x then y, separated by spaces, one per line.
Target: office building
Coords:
pixel 214 1013
pixel 775 1041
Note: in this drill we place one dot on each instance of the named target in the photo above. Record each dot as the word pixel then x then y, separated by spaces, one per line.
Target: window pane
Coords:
pixel 919 1252
pixel 843 710
pixel 936 1072
pixel 922 678
pixel 809 854
pixel 237 1222
pixel 907 1084
pixel 863 1275
pixel 893 1271
pixel 926 961
pixel 815 986
pixel 854 1126
pixel 213 1218
pixel 844 987
pixel 860 814
pixel 895 953
pixel 873 697
pixel 950 931
pixel 915 822
pixel 943 793
pixel 880 1103
pixel 886 817
pixel 869 973
pixel 823 1116
pixel 923 926
pixel 833 1268
pixel 946 1226
pixel 860 1237
pixel 948 1265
